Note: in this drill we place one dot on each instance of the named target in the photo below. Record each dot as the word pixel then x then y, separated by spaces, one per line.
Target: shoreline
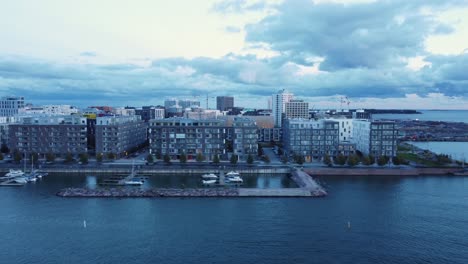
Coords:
pixel 246 169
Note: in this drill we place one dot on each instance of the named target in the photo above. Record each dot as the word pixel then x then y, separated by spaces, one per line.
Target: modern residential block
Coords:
pixel 119 134
pixel 174 136
pixel 49 134
pixel 10 105
pixel 377 138
pixel 311 139
pixel 224 103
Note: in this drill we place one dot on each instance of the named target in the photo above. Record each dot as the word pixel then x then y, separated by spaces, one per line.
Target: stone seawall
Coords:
pixel 161 193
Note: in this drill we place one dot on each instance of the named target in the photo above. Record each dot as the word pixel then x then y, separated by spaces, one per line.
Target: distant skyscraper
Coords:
pixel 279 101
pixel 297 109
pixel 9 105
pixel 224 103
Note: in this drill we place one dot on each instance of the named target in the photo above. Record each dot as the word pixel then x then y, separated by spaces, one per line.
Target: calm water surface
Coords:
pixel 393 220
pixel 457 150
pixel 430 115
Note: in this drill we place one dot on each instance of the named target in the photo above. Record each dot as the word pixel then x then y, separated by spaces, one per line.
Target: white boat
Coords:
pixel 14 173
pixel 208 182
pixel 21 180
pixel 32 179
pixel 133 182
pixel 210 176
pixel 233 174
pixel 234 179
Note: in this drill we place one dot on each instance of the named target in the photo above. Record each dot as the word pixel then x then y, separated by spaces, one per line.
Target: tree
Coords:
pixel 1 156
pixel 266 159
pixel 68 157
pixel 396 160
pixel 99 157
pixel 149 159
pixel 366 160
pixel 216 159
pixel 34 157
pixel 382 160
pixel 17 156
pixel 353 160
pixel 4 148
pixel 167 158
pixel 183 157
pixel 284 159
pixel 158 154
pixel 111 156
pixel 372 159
pixel 250 159
pixel 327 160
pixel 50 157
pixel 234 159
pixel 260 150
pixel 200 157
pixel 299 159
pixel 84 158
pixel 340 159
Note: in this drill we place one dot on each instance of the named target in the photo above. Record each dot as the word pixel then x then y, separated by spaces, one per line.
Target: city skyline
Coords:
pixel 380 54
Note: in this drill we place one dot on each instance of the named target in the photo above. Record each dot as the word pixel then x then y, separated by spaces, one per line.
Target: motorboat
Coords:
pixel 32 179
pixel 133 182
pixel 14 173
pixel 234 179
pixel 21 180
pixel 209 176
pixel 233 174
pixel 208 182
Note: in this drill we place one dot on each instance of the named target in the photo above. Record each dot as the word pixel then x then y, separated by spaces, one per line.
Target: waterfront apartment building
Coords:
pixel 5 122
pixel 244 136
pixel 274 134
pixel 297 109
pixel 119 134
pixel 279 101
pixel 345 128
pixel 224 103
pixel 377 138
pixel 10 105
pixel 311 139
pixel 174 136
pixel 49 134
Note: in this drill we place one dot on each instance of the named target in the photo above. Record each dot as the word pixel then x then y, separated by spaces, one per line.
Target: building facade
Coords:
pixel 279 101
pixel 376 138
pixel 174 136
pixel 224 103
pixel 345 128
pixel 150 112
pixel 297 109
pixel 311 139
pixel 10 105
pixel 49 134
pixel 119 134
pixel 244 136
pixel 270 134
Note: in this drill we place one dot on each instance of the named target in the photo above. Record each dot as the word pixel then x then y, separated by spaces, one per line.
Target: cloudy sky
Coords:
pixel 379 54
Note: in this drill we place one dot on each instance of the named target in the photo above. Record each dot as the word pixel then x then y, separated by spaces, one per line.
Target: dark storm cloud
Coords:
pixel 368 35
